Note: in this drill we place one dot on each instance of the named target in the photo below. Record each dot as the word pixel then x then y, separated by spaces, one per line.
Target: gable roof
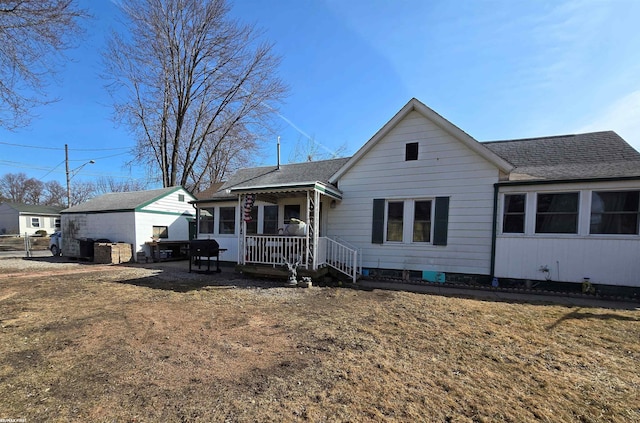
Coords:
pixel 123 201
pixel 34 209
pixel 579 156
pixel 295 175
pixel 416 105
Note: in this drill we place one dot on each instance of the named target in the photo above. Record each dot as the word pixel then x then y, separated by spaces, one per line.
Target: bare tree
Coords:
pixel 33 190
pixel 190 82
pixel 19 188
pixel 81 191
pixel 307 149
pixel 54 194
pixel 107 185
pixel 33 37
pixel 12 187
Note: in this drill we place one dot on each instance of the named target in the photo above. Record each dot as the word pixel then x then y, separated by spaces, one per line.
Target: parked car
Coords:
pixel 55 243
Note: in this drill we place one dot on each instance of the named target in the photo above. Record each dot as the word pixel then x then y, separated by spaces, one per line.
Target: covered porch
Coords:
pixel 299 241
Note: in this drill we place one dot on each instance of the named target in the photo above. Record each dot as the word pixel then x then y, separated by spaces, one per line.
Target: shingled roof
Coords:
pixel 33 209
pixel 121 201
pixel 579 156
pixel 298 174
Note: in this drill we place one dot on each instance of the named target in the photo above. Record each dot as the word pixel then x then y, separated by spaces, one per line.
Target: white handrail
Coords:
pixel 274 249
pixel 342 258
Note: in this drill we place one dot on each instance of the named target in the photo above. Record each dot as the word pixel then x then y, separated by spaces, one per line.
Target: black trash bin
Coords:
pixel 86 248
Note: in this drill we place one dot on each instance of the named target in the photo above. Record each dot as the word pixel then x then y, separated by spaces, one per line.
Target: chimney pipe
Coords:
pixel 278 153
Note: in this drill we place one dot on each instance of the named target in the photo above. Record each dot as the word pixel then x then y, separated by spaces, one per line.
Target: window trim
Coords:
pixel 609 234
pixel 211 210
pixel 221 221
pixel 160 236
pixel 524 213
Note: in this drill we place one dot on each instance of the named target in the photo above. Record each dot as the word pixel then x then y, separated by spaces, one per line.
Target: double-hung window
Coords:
pixel 410 221
pixel 422 221
pixel 227 224
pixel 395 221
pixel 416 214
pixel 514 213
pixel 270 223
pixel 557 213
pixel 614 212
pixel 205 220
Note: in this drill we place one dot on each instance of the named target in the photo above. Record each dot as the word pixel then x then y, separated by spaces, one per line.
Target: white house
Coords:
pixel 28 219
pixel 424 198
pixel 139 218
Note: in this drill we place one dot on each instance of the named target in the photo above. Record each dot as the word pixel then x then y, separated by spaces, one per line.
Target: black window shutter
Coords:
pixel 377 230
pixel 441 221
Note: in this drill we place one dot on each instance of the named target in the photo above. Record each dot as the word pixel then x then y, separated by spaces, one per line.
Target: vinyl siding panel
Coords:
pixel 170 203
pixel 445 168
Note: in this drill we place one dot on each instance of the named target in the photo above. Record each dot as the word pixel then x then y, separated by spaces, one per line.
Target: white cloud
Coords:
pixel 622 116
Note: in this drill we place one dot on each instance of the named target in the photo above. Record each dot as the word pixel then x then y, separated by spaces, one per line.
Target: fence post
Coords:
pixel 27 244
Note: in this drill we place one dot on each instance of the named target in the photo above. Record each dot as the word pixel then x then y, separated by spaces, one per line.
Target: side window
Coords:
pixel 270 224
pixel 205 220
pixel 514 212
pixel 227 220
pixel 557 213
pixel 160 232
pixel 395 220
pixel 422 221
pixel 614 212
pixel 35 222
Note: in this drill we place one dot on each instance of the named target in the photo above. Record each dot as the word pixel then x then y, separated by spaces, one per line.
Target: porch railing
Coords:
pixel 274 250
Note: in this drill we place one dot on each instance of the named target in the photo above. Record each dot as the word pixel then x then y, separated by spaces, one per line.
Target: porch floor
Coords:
pixel 280 272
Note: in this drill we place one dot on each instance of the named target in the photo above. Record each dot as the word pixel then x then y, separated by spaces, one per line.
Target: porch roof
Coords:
pixel 285 180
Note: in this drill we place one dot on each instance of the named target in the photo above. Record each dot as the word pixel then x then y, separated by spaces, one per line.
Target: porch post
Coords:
pixel 316 226
pixel 241 231
pixel 308 250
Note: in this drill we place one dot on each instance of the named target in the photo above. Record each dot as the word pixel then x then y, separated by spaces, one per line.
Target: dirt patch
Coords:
pixel 131 343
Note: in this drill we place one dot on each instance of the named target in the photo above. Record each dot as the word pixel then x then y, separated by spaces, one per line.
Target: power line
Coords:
pixel 62 148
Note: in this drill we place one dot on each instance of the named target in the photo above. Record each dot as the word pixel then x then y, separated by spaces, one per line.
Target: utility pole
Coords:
pixel 71 173
pixel 66 161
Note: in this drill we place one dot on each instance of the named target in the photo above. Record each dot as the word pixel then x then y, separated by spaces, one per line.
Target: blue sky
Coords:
pixel 498 69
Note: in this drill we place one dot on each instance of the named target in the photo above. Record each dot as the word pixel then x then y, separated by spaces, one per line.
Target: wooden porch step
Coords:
pixel 266 271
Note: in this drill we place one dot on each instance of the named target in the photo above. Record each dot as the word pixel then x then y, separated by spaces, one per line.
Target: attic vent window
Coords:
pixel 411 151
pixel 181 198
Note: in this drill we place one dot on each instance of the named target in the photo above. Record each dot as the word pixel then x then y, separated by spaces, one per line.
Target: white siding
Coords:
pixel 177 227
pixel 171 204
pixel 445 167
pixel 605 259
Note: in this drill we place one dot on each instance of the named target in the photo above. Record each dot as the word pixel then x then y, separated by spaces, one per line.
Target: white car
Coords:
pixel 55 243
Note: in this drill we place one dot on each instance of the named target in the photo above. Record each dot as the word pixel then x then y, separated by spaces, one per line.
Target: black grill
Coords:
pixel 204 248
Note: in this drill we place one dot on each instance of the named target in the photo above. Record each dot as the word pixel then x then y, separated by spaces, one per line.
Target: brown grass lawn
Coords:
pixel 130 344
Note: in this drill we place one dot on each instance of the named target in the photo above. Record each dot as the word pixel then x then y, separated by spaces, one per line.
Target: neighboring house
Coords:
pixel 27 219
pixel 424 198
pixel 136 218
